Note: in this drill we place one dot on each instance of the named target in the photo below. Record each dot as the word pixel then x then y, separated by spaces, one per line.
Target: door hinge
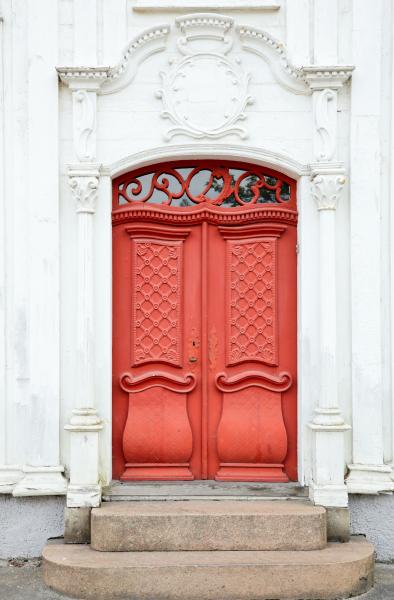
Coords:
pixel 297 248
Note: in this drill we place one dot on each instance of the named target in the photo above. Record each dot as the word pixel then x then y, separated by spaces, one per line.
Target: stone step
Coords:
pixel 337 571
pixel 208 525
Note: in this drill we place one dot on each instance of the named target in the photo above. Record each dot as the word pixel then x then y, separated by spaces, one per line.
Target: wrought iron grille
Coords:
pixel 214 183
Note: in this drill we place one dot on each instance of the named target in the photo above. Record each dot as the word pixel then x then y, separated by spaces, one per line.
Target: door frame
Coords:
pixel 307 278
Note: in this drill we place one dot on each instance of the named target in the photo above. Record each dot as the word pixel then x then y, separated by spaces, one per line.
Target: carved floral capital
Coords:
pixel 327 189
pixel 84 186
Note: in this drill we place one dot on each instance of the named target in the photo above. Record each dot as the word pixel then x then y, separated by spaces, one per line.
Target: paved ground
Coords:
pixel 22 581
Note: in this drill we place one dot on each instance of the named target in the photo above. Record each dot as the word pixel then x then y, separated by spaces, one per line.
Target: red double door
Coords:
pixel 204 348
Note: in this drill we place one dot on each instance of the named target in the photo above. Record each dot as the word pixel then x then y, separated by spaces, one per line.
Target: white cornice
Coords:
pixel 203 19
pixel 83 77
pixel 104 80
pixel 201 5
pixel 322 77
pixel 299 80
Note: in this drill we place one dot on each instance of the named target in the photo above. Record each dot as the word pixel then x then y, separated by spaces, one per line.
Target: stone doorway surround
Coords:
pixel 321 185
pixel 322 459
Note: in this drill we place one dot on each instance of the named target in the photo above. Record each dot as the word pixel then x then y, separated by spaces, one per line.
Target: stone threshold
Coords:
pixel 203 490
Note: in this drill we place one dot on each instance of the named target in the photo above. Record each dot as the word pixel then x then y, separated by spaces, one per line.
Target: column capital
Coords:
pixel 327 77
pixel 84 182
pixel 83 78
pixel 327 185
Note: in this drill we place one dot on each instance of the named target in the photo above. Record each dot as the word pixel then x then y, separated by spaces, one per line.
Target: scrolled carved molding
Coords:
pixel 274 53
pixel 224 95
pixel 228 113
pixel 246 379
pixel 153 38
pixel 84 124
pixel 327 189
pixel 182 384
pixel 325 123
pixel 84 186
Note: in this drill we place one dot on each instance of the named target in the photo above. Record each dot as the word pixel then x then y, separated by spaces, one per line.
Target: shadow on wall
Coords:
pixel 373 516
pixel 27 523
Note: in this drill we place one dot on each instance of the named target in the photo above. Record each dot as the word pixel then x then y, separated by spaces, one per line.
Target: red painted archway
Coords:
pixel 204 323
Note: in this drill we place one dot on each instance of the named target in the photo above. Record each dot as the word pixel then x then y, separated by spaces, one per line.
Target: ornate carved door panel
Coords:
pixel 204 335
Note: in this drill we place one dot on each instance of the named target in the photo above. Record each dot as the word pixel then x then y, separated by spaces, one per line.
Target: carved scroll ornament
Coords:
pixel 175 383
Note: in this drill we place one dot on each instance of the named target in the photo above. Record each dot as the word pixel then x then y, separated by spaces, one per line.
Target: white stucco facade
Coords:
pixel 86 94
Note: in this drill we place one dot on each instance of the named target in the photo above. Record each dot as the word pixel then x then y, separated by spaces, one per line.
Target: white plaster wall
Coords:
pixel 27 523
pixel 373 516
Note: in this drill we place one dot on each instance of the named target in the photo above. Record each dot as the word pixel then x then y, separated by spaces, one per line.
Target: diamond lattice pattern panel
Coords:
pixel 252 323
pixel 157 302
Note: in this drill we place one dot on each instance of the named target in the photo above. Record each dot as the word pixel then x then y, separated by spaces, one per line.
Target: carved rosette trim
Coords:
pixel 85 190
pixel 327 190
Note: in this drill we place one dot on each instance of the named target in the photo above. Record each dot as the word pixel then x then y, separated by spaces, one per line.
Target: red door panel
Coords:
pixel 204 328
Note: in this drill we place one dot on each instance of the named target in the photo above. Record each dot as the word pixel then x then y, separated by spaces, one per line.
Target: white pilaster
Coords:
pixel 325 30
pixel 15 401
pixel 368 473
pixel 114 27
pixel 12 26
pixel 30 398
pixel 391 217
pixel 3 411
pixel 298 31
pixel 84 426
pixel 85 32
pixel 327 486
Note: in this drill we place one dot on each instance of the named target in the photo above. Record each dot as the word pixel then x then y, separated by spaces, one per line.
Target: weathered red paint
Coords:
pixel 204 328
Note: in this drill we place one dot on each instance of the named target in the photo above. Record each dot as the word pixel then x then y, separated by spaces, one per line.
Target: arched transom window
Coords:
pixel 217 183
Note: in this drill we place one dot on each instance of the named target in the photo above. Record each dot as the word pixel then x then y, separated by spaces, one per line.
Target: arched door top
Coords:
pixel 189 188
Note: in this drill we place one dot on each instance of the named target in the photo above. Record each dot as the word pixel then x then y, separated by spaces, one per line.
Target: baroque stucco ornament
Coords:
pixel 214 108
pixel 84 188
pixel 327 190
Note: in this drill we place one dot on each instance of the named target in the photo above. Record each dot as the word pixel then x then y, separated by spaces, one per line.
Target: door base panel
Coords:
pixel 252 472
pixel 144 472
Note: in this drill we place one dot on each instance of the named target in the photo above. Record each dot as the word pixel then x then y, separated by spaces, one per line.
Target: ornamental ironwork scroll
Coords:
pixel 211 182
